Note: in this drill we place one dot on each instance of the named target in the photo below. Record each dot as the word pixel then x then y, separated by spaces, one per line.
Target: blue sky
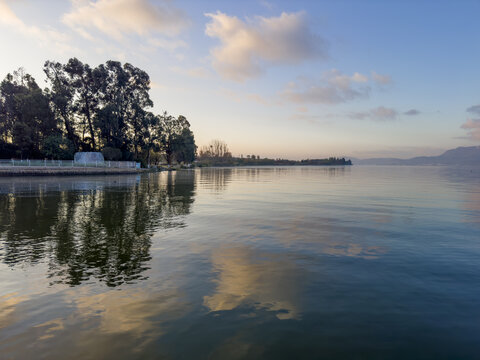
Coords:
pixel 276 78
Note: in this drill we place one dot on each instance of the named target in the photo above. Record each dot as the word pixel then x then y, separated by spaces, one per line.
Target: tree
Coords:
pixel 61 95
pixel 111 153
pixel 138 100
pixel 58 148
pixel 86 98
pixel 170 128
pixel 124 98
pixel 217 149
pixel 26 115
pixel 150 134
pixel 185 149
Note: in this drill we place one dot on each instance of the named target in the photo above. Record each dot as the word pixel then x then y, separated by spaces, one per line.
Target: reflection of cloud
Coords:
pixel 50 327
pixel 86 325
pixel 237 347
pixel 253 278
pixel 247 46
pixel 321 235
pixel 130 311
pixel 8 305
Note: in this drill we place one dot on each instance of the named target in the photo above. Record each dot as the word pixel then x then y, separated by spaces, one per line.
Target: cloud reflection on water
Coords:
pixel 256 278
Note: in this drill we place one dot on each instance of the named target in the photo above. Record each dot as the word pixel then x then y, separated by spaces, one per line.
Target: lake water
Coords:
pixel 243 263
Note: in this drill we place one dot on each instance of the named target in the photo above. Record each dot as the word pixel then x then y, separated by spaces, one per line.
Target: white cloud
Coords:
pixel 247 47
pixel 46 36
pixel 334 87
pixel 380 113
pixel 117 18
pixel 359 78
pixel 381 79
pixel 473 127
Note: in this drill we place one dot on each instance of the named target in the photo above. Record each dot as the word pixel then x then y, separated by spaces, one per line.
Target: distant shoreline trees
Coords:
pixel 217 153
pixel 106 108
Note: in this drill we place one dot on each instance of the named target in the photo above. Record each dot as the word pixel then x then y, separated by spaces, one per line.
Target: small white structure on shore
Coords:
pixel 89 158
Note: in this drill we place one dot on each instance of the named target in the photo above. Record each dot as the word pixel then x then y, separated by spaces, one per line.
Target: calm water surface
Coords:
pixel 243 263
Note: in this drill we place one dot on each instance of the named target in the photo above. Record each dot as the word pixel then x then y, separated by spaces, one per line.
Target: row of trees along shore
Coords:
pixel 105 109
pixel 217 154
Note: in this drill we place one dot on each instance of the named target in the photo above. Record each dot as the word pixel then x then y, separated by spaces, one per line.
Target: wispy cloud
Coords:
pixel 247 47
pixel 475 109
pixel 380 113
pixel 381 79
pixel 334 87
pixel 473 128
pixel 118 18
pixel 46 36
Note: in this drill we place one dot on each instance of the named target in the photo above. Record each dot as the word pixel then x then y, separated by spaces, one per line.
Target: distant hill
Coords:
pixel 460 156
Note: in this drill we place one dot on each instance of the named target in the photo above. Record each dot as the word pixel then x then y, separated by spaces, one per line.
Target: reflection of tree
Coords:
pixel 216 179
pixel 330 171
pixel 105 234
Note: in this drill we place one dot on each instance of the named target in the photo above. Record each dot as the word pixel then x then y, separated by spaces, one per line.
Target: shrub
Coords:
pixel 112 154
pixel 57 147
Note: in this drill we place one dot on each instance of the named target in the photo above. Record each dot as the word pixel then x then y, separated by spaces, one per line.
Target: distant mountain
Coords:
pixel 460 156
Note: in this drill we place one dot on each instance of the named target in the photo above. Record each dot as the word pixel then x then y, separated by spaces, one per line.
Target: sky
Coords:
pixel 281 79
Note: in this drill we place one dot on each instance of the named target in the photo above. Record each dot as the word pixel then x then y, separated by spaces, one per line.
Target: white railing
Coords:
pixel 69 163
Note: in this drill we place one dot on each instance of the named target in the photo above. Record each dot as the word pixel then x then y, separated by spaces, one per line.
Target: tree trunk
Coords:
pixel 70 132
pixel 90 126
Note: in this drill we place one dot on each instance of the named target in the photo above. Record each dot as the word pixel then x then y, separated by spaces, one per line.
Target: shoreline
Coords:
pixel 65 171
